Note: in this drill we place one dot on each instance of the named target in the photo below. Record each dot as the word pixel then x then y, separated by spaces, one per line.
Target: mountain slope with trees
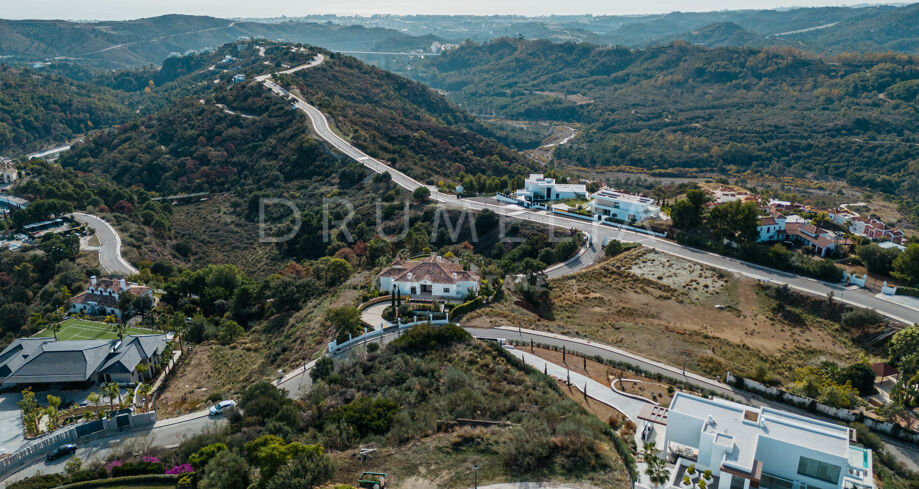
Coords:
pixel 36 108
pixel 682 108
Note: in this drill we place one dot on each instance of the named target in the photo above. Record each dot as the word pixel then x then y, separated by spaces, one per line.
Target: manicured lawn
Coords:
pixel 81 329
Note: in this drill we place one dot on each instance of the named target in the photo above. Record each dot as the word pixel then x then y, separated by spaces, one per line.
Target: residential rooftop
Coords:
pixel 743 426
pixel 608 193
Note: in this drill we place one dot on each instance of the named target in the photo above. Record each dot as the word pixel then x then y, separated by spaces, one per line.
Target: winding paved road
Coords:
pixel 109 245
pixel 601 233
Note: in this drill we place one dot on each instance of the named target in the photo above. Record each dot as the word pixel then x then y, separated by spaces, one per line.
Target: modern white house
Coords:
pixel 539 188
pixel 613 204
pixel 434 278
pixel 747 447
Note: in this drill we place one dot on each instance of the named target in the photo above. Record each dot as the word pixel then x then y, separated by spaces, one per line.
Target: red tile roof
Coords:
pixel 102 300
pixel 438 271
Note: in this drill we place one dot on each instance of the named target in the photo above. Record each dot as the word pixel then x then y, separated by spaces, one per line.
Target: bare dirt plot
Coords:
pixel 211 369
pixel 435 461
pixel 609 303
pixel 688 277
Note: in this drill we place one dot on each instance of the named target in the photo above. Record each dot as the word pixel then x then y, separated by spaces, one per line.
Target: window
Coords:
pixel 446 290
pixel 737 482
pixel 772 482
pixel 819 470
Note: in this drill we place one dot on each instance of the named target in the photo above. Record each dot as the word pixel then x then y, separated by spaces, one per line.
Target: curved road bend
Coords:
pixel 110 257
pixel 600 232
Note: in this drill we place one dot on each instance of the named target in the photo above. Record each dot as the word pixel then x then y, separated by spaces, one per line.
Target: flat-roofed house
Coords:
pixel 434 278
pixel 621 206
pixel 539 188
pixel 747 447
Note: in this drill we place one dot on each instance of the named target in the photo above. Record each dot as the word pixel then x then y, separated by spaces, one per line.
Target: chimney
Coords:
pixel 124 285
pixel 92 280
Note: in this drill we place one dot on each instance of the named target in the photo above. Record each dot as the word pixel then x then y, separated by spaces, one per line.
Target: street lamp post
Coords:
pixel 475 468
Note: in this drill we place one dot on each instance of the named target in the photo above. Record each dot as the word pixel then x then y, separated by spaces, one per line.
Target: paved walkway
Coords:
pixel 601 392
pixel 373 314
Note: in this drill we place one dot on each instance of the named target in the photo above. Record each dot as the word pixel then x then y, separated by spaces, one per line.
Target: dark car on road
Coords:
pixel 62 451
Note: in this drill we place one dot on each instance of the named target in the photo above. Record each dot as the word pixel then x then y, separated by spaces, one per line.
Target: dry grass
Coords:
pixel 435 461
pixel 675 324
pixel 212 369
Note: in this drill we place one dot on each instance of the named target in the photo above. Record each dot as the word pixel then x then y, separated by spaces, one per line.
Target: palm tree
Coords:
pixel 112 392
pixel 55 328
pixel 121 329
pixel 145 390
pixel 93 398
pixel 656 468
pixel 54 403
pixel 142 369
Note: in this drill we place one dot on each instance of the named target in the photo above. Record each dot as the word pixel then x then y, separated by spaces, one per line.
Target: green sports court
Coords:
pixel 81 329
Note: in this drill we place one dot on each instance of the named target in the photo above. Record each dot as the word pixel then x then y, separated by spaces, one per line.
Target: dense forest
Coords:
pixel 39 108
pixel 194 146
pixel 683 108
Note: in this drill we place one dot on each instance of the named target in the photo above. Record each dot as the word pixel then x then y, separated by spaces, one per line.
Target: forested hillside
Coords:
pixel 403 121
pixel 678 106
pixel 36 108
pixel 141 42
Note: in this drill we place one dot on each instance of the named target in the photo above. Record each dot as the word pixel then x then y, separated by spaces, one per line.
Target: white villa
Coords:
pixel 609 203
pixel 746 447
pixel 434 278
pixel 538 188
pixel 101 298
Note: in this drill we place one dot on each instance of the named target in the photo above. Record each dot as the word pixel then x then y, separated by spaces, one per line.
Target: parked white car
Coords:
pixel 218 408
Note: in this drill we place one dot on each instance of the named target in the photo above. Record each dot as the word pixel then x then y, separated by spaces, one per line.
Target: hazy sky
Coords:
pixel 132 9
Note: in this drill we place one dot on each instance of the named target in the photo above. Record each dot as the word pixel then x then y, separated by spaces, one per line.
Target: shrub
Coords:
pixel 137 468
pixel 200 458
pixel 186 482
pixel 324 367
pixel 46 481
pixel 529 447
pixel 421 193
pixel 426 337
pixel 860 318
pixel 180 469
pixel 910 291
pixel 367 416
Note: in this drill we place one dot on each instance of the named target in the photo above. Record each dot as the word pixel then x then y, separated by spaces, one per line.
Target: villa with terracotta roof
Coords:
pixel 434 278
pixel 101 297
pixel 778 227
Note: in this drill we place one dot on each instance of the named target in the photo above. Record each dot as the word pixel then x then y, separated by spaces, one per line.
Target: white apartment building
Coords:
pixel 746 447
pixel 612 204
pixel 538 188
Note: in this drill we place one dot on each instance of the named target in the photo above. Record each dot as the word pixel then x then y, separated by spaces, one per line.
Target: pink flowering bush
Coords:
pixel 111 465
pixel 180 469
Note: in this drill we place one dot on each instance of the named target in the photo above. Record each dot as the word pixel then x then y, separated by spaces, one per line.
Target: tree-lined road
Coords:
pixel 601 233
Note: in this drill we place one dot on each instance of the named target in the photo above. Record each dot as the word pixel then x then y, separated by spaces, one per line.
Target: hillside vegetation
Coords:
pixel 141 42
pixel 36 108
pixel 681 108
